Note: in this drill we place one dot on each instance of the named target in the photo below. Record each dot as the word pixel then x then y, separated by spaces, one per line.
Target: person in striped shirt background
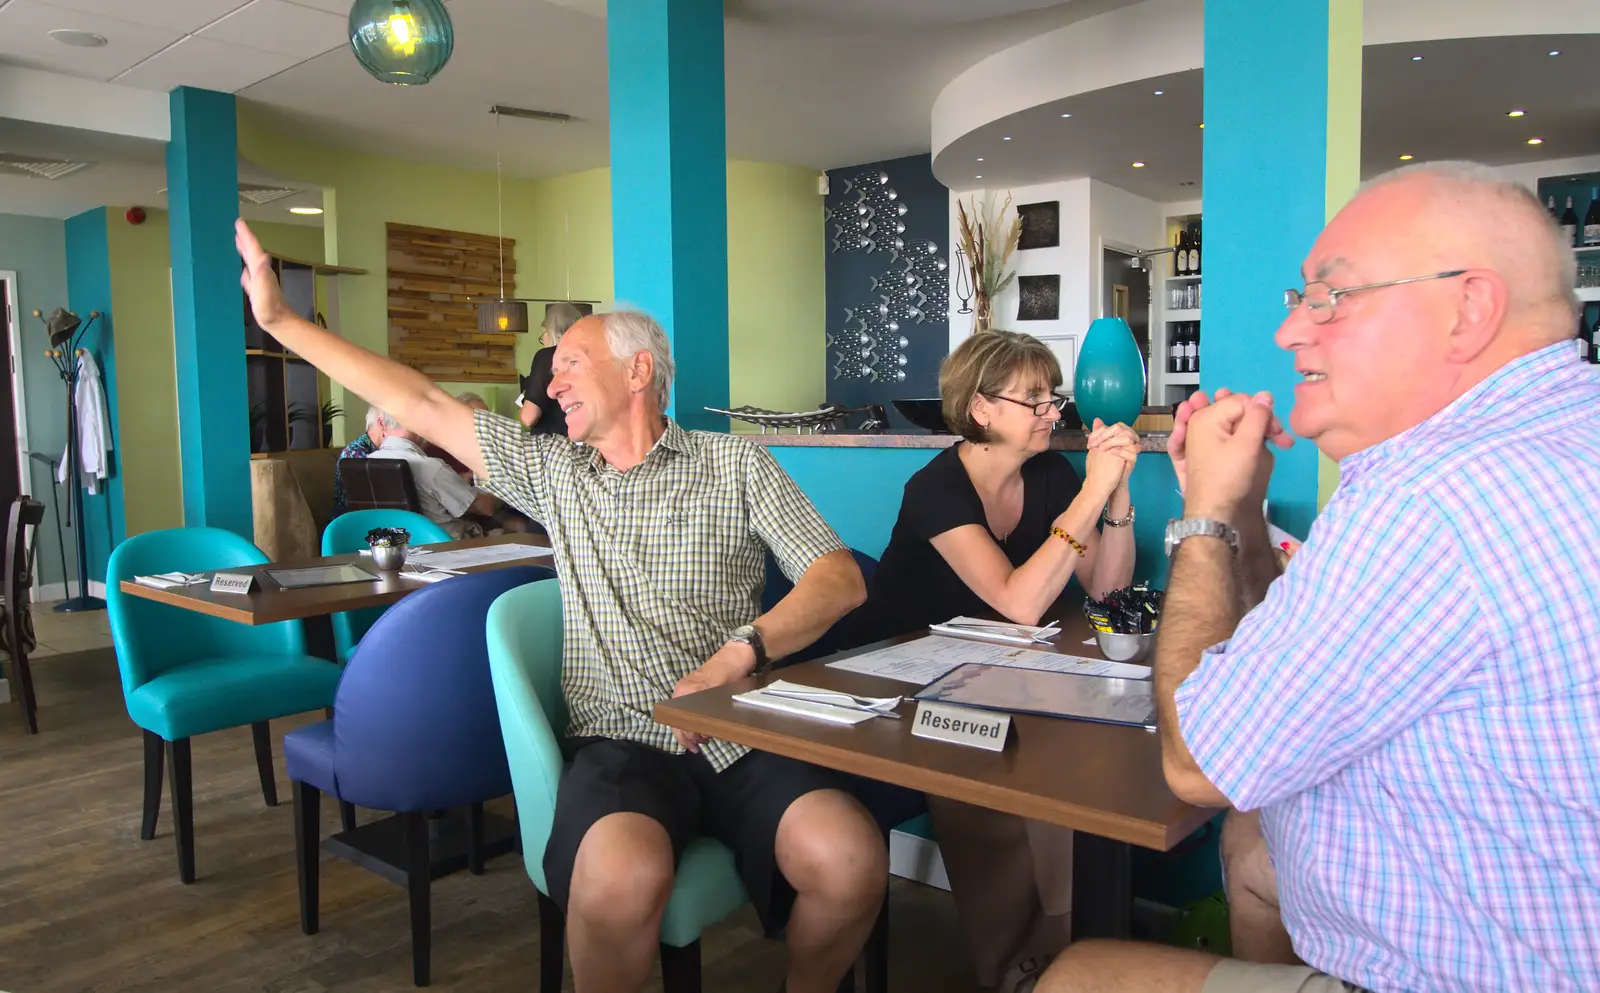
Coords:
pixel 1411 705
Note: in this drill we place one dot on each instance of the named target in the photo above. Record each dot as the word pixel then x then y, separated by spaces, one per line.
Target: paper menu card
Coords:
pixel 926 659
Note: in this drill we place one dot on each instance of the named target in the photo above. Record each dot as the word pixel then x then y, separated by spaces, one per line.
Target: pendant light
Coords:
pixel 405 42
pixel 501 314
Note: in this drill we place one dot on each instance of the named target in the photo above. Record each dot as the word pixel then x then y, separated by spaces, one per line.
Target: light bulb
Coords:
pixel 505 321
pixel 402 31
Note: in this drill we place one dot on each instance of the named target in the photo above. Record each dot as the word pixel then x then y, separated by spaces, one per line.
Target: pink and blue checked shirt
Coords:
pixel 1415 707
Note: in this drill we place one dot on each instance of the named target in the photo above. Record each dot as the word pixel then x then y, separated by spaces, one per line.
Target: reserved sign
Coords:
pixel 962 725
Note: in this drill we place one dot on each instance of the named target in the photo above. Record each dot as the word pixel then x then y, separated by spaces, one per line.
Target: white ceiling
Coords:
pixel 810 82
pixel 1450 105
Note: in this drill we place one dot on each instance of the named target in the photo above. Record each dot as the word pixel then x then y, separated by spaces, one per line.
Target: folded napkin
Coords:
pixel 827 705
pixel 169 580
pixel 1006 631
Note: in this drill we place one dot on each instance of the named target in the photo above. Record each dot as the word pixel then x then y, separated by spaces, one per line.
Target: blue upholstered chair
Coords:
pixel 348 533
pixel 185 673
pixel 524 631
pixel 413 731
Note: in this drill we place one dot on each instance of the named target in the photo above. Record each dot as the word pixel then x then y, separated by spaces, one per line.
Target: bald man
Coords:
pixel 1411 707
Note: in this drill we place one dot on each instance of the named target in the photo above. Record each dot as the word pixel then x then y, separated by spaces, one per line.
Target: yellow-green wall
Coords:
pixel 147 395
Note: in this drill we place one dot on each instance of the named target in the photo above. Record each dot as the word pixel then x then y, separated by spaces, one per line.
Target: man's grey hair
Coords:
pixel 470 397
pixel 376 417
pixel 1474 179
pixel 630 332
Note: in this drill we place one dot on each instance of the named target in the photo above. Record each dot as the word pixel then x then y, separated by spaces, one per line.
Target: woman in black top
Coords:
pixel 998 521
pixel 539 411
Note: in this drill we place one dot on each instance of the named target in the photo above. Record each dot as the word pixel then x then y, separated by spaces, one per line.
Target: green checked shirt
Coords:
pixel 658 564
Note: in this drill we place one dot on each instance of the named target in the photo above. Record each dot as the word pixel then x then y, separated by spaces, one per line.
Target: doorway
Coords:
pixel 13 423
pixel 1125 293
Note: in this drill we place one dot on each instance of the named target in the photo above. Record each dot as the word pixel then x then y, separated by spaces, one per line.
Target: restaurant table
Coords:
pixel 1104 781
pixel 378 846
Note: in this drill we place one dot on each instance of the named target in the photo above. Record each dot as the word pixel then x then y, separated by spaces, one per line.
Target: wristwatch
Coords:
pixel 1180 528
pixel 750 635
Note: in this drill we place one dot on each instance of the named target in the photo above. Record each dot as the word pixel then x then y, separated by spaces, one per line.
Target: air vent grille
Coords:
pixel 28 165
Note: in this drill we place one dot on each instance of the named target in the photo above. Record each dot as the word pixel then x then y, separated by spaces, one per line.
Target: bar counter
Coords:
pixel 1060 441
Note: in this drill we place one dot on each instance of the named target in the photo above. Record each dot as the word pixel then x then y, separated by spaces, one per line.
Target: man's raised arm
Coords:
pixel 408 395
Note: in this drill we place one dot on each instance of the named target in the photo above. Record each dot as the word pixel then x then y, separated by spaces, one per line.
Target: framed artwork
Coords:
pixel 1041 225
pixel 1039 298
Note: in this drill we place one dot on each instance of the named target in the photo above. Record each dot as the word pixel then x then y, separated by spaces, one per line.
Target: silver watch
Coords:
pixel 1188 527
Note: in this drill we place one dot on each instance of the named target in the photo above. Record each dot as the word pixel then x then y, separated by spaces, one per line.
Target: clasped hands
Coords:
pixel 1219 449
pixel 1113 451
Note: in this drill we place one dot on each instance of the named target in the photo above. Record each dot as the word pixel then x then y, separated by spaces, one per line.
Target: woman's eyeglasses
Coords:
pixel 1041 408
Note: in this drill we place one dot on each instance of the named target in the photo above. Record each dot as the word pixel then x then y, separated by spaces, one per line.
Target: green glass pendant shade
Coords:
pixel 405 42
pixel 1110 374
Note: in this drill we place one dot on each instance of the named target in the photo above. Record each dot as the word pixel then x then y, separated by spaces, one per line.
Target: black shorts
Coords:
pixel 740 807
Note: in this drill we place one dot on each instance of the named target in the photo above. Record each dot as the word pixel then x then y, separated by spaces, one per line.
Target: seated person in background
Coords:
pixel 443 497
pixel 540 411
pixel 997 521
pixel 363 446
pixel 1411 705
pixel 503 517
pixel 660 536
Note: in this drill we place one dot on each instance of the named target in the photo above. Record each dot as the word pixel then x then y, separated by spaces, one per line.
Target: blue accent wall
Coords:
pixel 88 290
pixel 851 271
pixel 858 492
pixel 669 187
pixel 1265 168
pixel 207 311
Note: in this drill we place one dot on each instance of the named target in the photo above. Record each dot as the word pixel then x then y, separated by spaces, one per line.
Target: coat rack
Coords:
pixel 66 335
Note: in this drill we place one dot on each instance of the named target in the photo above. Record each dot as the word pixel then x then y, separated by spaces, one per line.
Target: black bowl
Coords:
pixel 924 413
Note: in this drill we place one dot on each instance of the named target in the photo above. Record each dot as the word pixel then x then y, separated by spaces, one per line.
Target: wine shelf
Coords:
pixel 1589 294
pixel 1183 315
pixel 1181 378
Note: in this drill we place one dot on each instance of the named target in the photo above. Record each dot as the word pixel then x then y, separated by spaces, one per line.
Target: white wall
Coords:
pixel 1093 214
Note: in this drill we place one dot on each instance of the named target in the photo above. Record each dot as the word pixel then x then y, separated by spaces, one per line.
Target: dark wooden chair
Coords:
pixel 25 513
pixel 379 484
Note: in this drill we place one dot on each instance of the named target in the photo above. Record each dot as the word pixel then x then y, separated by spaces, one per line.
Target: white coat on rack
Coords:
pixel 94 427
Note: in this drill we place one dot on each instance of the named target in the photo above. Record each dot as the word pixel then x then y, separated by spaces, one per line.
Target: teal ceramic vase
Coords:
pixel 1109 382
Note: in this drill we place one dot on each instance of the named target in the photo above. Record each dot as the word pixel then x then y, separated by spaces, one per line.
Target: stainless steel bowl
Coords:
pixel 1126 647
pixel 389 558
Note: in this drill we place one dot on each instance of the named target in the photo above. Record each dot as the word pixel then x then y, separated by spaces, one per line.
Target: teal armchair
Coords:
pixel 185 673
pixel 524 632
pixel 348 533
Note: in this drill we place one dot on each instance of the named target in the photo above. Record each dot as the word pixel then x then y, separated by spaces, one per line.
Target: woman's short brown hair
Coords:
pixel 985 363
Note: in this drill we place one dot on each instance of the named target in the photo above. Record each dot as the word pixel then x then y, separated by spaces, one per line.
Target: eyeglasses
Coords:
pixel 1320 298
pixel 1040 409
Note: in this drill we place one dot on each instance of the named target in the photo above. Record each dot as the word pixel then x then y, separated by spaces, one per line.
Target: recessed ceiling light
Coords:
pixel 1515 113
pixel 1536 141
pixel 1416 58
pixel 78 39
pixel 305 210
pixel 980 158
pixel 1406 158
pixel 1202 124
pixel 1066 115
pixel 1159 92
pixel 1138 165
pixel 1556 52
pixel 977 177
pixel 1007 138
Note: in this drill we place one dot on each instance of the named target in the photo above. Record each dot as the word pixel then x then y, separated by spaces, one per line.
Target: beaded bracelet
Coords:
pixel 1077 546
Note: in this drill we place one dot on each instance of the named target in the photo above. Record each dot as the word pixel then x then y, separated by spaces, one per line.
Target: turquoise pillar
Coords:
pixel 207 311
pixel 89 290
pixel 1282 153
pixel 669 186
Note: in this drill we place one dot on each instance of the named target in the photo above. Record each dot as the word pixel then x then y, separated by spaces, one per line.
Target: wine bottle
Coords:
pixel 1180 258
pixel 1194 249
pixel 1194 349
pixel 1551 207
pixel 1591 220
pixel 1594 340
pixel 1180 346
pixel 1569 224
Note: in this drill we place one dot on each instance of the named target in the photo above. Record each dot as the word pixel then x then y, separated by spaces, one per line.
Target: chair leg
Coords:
pixel 262 732
pixel 154 764
pixel 307 842
pixel 475 839
pixel 347 815
pixel 680 968
pixel 30 704
pixel 419 871
pixel 180 778
pixel 876 964
pixel 552 945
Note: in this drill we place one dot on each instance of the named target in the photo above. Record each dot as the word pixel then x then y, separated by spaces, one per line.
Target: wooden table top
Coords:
pixel 267 604
pixel 1099 778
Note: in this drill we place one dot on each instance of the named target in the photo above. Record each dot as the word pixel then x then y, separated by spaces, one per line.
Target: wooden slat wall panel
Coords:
pixel 432 326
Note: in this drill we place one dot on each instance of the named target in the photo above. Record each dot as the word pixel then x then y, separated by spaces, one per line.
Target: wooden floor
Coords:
pixel 85 905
